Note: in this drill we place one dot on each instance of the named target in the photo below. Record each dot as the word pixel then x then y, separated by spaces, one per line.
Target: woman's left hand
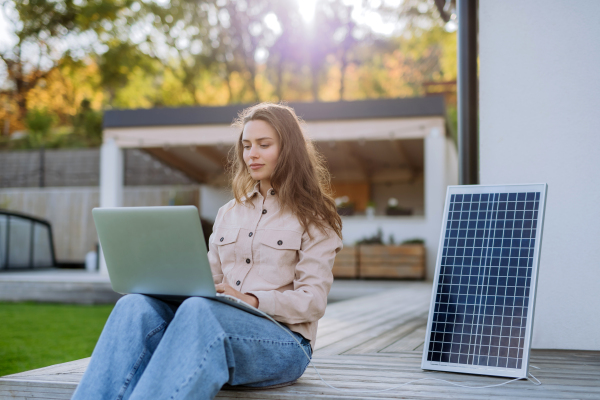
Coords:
pixel 226 289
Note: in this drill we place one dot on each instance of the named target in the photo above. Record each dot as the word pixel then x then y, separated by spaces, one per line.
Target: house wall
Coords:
pixel 539 118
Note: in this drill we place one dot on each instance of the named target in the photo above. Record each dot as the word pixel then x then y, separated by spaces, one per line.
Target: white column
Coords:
pixel 111 181
pixel 435 193
pixel 211 199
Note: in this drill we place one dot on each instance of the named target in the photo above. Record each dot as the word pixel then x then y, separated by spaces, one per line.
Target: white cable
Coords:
pixel 537 381
pixel 397 386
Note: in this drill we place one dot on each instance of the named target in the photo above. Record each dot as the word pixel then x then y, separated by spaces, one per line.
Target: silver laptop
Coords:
pixel 158 251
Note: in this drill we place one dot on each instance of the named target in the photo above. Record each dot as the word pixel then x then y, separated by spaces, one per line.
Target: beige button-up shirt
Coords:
pixel 265 251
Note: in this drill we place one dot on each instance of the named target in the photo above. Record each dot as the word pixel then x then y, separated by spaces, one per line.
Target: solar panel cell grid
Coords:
pixel 482 298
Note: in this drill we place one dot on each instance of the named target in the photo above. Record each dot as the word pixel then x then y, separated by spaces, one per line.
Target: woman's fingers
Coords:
pixel 225 288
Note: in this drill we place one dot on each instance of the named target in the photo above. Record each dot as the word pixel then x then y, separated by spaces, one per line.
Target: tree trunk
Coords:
pixel 228 82
pixel 279 84
pixel 315 83
pixel 343 74
pixel 252 81
pixel 22 104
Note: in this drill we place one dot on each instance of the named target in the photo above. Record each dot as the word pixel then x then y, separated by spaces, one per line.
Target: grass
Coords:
pixel 34 335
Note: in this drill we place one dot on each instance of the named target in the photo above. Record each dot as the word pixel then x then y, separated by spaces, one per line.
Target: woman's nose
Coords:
pixel 253 152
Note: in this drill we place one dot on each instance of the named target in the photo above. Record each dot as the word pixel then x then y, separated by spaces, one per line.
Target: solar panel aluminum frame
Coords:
pixel 481 369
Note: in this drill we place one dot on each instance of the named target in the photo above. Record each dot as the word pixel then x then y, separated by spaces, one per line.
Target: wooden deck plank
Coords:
pixel 390 337
pixel 371 372
pixel 409 342
pixel 346 325
pixel 359 330
pixel 366 344
pixel 352 307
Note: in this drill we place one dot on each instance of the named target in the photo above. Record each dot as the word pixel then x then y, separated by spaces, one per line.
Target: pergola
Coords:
pixel 365 143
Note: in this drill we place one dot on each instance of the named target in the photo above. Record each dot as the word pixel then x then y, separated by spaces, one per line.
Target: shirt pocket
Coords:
pixel 225 239
pixel 278 254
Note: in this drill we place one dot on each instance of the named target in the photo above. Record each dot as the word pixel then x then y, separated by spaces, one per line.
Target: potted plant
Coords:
pixel 370 210
pixel 394 209
pixel 375 239
pixel 344 206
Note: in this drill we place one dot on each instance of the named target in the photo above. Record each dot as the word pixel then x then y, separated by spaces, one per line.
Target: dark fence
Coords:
pixel 81 167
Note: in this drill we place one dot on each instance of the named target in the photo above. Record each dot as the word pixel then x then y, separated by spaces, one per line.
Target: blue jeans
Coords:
pixel 150 349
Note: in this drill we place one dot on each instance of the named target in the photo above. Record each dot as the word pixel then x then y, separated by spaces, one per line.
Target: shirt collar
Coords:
pixel 256 190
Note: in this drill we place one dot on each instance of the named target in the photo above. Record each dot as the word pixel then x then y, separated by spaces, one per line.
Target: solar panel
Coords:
pixel 481 314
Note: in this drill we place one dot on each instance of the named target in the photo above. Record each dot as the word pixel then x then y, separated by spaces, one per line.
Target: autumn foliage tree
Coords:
pixel 43 30
pixel 132 54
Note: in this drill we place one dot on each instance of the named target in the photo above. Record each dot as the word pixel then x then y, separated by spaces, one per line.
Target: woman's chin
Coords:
pixel 257 177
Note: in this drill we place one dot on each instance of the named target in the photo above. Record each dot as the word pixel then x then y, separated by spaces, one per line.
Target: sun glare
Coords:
pixel 307 9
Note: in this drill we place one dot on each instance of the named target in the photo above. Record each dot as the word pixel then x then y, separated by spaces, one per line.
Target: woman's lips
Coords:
pixel 256 166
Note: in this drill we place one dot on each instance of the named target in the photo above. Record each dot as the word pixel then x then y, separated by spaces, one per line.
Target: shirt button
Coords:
pixel 221 239
pixel 247 261
pixel 250 234
pixel 279 242
pixel 264 211
pixel 238 283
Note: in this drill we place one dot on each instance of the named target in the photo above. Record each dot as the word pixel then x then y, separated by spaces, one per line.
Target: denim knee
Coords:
pixel 195 304
pixel 140 304
pixel 131 301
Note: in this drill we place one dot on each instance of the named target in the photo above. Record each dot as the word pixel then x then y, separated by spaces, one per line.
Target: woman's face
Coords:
pixel 261 149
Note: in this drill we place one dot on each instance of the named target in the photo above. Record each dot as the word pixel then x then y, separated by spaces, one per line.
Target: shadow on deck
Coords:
pixel 369 343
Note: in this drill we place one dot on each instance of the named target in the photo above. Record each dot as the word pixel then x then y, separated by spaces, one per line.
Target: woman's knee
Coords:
pixel 196 305
pixel 132 300
pixel 138 303
pixel 139 307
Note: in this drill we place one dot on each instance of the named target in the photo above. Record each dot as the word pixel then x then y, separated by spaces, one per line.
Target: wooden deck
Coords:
pixel 369 343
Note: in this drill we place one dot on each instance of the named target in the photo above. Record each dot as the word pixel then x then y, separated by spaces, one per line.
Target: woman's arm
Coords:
pixel 214 260
pixel 312 281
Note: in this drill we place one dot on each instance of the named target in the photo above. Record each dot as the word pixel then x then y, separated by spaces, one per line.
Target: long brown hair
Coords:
pixel 300 178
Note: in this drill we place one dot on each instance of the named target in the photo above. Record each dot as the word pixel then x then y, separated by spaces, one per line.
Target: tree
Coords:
pixel 39 122
pixel 118 63
pixel 41 29
pixel 88 122
pixel 181 52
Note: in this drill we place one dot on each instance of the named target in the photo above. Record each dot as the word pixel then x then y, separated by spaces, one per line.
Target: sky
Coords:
pixel 4 41
pixel 5 31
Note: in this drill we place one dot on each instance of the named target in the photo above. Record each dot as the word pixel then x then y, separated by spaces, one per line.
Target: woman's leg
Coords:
pixel 208 344
pixel 130 336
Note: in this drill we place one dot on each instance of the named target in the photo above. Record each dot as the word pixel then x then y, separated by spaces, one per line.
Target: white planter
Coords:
pixel 91 261
pixel 370 212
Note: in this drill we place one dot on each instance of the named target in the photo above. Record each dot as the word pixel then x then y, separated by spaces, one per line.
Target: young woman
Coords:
pixel 272 246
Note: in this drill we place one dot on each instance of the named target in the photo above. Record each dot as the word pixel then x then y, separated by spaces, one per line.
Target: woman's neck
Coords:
pixel 264 187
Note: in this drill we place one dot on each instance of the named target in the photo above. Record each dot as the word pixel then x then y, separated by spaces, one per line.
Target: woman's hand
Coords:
pixel 247 298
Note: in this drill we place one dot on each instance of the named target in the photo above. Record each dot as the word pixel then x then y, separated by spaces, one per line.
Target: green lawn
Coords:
pixel 34 335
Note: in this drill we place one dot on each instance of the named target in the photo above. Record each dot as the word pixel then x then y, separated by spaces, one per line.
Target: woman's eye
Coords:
pixel 264 146
pixel 246 147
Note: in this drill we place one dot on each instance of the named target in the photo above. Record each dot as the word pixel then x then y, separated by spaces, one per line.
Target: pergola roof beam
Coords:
pixel 219 135
pixel 212 154
pixel 176 162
